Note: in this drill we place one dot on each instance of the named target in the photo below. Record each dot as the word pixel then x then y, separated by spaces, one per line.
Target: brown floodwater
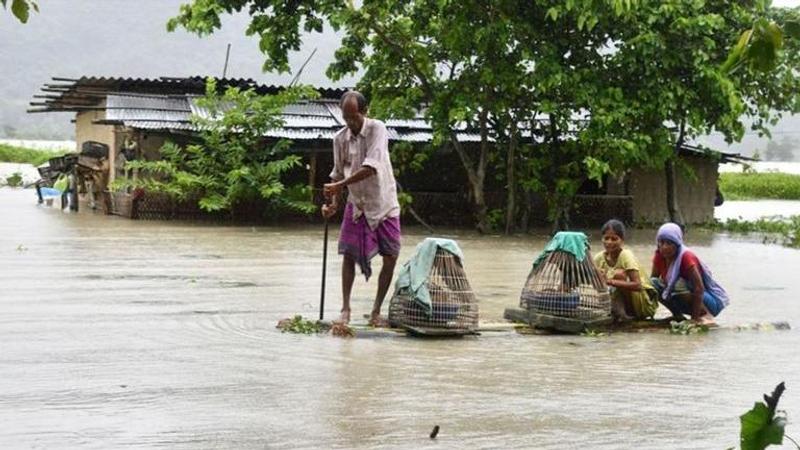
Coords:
pixel 118 333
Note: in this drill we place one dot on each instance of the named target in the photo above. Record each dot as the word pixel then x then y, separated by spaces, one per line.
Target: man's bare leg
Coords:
pixel 348 276
pixel 384 281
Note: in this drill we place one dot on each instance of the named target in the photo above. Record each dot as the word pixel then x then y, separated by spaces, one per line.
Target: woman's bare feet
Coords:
pixel 707 320
pixel 618 311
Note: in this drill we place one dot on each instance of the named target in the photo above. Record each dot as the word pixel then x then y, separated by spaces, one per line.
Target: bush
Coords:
pixel 749 186
pixel 22 155
pixel 783 230
pixel 14 180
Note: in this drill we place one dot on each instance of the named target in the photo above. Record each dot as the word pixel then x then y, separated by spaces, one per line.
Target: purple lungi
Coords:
pixel 358 241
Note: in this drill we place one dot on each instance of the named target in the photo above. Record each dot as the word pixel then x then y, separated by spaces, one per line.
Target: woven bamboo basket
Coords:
pixel 562 286
pixel 454 306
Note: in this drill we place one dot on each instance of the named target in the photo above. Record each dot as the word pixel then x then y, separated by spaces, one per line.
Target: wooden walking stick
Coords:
pixel 324 263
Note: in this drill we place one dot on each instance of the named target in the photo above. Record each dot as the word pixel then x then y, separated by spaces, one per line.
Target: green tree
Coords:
pixel 668 82
pixel 21 9
pixel 469 64
pixel 232 163
pixel 557 91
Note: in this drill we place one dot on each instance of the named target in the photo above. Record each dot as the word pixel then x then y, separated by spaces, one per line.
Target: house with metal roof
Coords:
pixel 134 117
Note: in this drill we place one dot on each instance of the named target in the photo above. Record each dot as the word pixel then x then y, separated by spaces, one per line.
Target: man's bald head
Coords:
pixel 354 97
pixel 354 110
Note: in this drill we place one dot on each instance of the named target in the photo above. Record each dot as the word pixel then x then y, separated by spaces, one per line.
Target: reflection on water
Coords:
pixel 154 334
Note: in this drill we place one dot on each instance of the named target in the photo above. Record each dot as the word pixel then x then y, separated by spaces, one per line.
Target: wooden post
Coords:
pixel 73 199
pixel 39 193
pixel 312 173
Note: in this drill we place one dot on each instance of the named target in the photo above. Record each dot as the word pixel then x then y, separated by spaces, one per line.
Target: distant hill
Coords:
pixel 129 39
pixel 126 39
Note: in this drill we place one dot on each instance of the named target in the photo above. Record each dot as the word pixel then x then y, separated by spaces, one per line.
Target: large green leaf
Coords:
pixel 792 29
pixel 759 430
pixel 21 9
pixel 763 425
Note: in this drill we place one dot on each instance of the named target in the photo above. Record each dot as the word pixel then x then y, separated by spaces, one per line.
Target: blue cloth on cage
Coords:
pixel 414 273
pixel 573 242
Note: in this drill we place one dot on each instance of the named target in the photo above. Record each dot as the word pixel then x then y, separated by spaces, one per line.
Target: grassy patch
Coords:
pixel 783 230
pixel 22 155
pixel 750 186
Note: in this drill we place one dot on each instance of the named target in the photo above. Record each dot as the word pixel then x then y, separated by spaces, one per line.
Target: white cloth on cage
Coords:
pixel 414 273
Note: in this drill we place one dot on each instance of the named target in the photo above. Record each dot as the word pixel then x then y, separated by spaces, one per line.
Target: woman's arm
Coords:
pixel 632 283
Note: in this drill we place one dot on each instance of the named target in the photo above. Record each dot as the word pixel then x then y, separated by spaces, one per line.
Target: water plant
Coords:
pixel 777 229
pixel 592 333
pixel 686 327
pixel 299 325
pixel 764 424
pixel 14 180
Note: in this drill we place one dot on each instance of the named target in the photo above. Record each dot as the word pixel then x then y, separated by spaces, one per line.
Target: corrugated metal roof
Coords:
pixel 308 108
pixel 292 121
pixel 78 94
pixel 148 101
pixel 159 125
pixel 147 108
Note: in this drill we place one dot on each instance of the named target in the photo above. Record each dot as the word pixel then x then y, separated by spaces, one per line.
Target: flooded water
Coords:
pixel 756 209
pixel 118 333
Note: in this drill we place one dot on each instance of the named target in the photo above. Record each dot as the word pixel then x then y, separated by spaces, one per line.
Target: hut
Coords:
pixel 134 117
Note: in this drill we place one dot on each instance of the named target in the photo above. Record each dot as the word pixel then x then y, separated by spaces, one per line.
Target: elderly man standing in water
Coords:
pixel 371 219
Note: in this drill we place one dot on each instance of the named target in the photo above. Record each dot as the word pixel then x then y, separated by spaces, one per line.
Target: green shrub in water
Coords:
pixel 782 230
pixel 749 186
pixel 14 180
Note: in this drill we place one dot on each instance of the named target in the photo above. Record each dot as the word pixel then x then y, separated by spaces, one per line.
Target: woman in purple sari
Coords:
pixel 684 283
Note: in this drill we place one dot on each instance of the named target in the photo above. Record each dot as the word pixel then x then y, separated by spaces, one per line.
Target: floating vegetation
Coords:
pixel 687 327
pixel 592 333
pixel 339 329
pixel 777 229
pixel 299 325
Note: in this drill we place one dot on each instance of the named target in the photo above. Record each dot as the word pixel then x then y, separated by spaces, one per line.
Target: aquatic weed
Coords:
pixel 299 325
pixel 686 327
pixel 776 229
pixel 592 333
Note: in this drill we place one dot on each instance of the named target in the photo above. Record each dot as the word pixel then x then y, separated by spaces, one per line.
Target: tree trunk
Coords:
pixel 525 219
pixel 511 207
pixel 476 175
pixel 673 209
pixel 559 206
pixel 672 194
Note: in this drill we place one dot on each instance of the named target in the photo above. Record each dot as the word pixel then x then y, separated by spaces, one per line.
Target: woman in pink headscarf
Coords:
pixel 684 283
